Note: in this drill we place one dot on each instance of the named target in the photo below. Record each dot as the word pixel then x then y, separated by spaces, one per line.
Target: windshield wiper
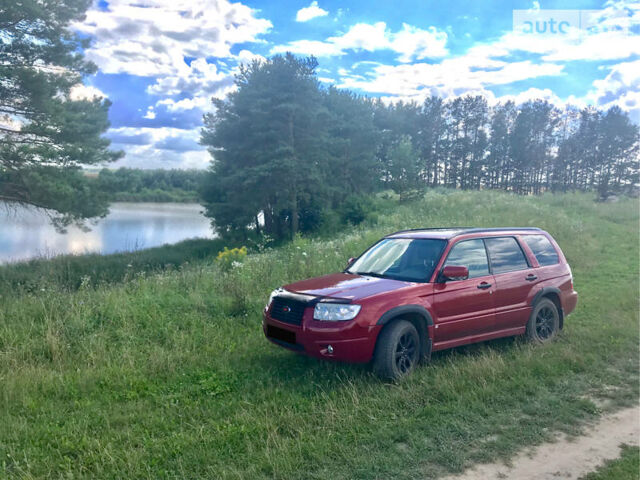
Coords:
pixel 371 274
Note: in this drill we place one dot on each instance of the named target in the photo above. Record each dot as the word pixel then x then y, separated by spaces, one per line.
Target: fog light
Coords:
pixel 329 349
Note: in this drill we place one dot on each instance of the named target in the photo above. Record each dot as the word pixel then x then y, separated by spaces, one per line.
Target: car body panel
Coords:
pixel 346 285
pixel 463 309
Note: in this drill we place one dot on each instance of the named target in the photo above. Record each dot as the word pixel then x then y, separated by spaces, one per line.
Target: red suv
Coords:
pixel 418 291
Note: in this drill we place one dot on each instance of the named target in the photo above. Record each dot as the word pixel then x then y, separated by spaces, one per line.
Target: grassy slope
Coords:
pixel 170 376
pixel 70 272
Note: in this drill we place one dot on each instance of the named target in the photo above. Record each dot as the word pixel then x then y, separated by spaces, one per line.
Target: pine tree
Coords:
pixel 45 136
pixel 268 143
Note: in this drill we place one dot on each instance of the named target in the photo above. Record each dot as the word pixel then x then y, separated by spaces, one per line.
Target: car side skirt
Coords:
pixel 509 332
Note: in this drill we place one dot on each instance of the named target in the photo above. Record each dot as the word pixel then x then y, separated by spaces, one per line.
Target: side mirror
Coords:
pixel 351 260
pixel 455 272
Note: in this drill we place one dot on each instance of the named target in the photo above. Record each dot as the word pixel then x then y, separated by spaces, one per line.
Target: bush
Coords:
pixel 227 259
pixel 356 209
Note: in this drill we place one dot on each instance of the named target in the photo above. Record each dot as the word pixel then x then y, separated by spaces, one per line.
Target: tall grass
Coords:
pixel 69 272
pixel 168 375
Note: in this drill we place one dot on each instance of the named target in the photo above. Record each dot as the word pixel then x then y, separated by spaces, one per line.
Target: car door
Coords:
pixel 514 279
pixel 464 307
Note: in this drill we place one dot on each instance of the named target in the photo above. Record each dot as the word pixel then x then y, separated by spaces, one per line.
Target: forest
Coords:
pixel 157 185
pixel 288 152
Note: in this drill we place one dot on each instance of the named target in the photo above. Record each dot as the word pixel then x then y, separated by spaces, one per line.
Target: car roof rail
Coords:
pixel 427 228
pixel 497 229
pixel 465 230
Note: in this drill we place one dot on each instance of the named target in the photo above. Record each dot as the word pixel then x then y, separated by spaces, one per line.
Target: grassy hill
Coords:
pixel 168 375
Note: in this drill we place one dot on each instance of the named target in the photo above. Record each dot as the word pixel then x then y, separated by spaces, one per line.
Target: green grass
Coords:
pixel 627 467
pixel 168 375
pixel 70 272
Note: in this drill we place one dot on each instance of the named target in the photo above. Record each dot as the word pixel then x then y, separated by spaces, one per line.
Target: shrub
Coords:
pixel 227 259
pixel 356 209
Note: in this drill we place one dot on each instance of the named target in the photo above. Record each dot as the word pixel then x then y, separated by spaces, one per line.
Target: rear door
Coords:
pixel 545 254
pixel 514 280
pixel 465 307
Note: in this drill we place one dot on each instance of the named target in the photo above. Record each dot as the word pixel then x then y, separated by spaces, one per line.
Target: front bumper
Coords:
pixel 350 341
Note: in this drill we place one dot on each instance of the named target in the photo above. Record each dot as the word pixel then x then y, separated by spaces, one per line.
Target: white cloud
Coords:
pixel 201 81
pixel 150 115
pixel 450 77
pixel 363 36
pixel 620 87
pixel 85 92
pixel 162 147
pixel 199 78
pixel 146 157
pixel 152 37
pixel 312 11
pixel 500 63
pixel 410 42
pixel 245 56
pixel 184 104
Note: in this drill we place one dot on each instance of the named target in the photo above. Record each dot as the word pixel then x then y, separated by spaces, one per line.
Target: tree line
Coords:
pixel 286 150
pixel 157 185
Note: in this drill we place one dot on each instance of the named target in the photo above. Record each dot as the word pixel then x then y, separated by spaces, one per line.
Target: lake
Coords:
pixel 26 232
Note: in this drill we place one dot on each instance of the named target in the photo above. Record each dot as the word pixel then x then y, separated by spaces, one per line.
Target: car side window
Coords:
pixel 470 254
pixel 542 249
pixel 506 255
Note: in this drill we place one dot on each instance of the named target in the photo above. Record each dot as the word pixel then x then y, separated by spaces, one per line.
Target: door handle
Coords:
pixel 531 277
pixel 484 285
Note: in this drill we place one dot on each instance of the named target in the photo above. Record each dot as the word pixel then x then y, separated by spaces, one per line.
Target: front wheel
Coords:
pixel 544 322
pixel 397 350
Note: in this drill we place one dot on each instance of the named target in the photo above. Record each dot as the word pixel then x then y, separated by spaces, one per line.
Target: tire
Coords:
pixel 544 322
pixel 397 350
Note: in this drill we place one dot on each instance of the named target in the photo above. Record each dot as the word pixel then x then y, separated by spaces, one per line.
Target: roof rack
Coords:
pixel 465 230
pixel 427 228
pixel 497 229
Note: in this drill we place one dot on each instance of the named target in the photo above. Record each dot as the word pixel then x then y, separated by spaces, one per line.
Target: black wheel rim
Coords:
pixel 405 352
pixel 545 323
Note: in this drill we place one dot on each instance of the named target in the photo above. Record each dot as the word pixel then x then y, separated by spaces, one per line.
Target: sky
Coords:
pixel 161 61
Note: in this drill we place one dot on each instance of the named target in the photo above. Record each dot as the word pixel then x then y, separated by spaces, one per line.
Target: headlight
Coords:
pixel 335 312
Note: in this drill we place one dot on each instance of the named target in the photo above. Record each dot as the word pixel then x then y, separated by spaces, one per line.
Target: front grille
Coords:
pixel 287 310
pixel 282 335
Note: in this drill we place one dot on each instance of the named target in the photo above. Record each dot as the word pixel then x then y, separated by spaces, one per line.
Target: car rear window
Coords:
pixel 542 249
pixel 505 255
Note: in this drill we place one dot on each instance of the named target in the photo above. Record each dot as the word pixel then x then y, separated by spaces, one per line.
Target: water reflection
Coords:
pixel 26 232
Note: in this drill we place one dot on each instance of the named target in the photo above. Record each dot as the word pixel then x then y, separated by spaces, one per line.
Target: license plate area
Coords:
pixel 281 334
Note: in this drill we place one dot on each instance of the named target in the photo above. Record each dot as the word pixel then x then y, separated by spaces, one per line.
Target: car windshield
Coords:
pixel 409 259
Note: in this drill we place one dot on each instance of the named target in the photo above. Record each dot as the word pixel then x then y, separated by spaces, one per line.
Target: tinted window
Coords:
pixel 505 254
pixel 470 254
pixel 400 258
pixel 542 249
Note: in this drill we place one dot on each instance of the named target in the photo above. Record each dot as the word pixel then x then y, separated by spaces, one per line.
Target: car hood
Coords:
pixel 345 285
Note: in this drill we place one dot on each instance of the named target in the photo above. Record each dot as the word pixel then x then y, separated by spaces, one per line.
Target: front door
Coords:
pixel 465 307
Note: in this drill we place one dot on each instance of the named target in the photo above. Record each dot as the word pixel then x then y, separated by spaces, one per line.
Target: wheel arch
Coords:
pixel 553 294
pixel 418 316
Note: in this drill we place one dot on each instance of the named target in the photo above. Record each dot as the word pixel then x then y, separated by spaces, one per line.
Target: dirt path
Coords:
pixel 567 458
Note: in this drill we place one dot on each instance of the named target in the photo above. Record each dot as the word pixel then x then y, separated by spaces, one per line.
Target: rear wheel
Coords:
pixel 397 350
pixel 544 321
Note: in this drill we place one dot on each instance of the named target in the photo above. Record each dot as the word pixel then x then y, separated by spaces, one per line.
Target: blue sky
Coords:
pixel 161 61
